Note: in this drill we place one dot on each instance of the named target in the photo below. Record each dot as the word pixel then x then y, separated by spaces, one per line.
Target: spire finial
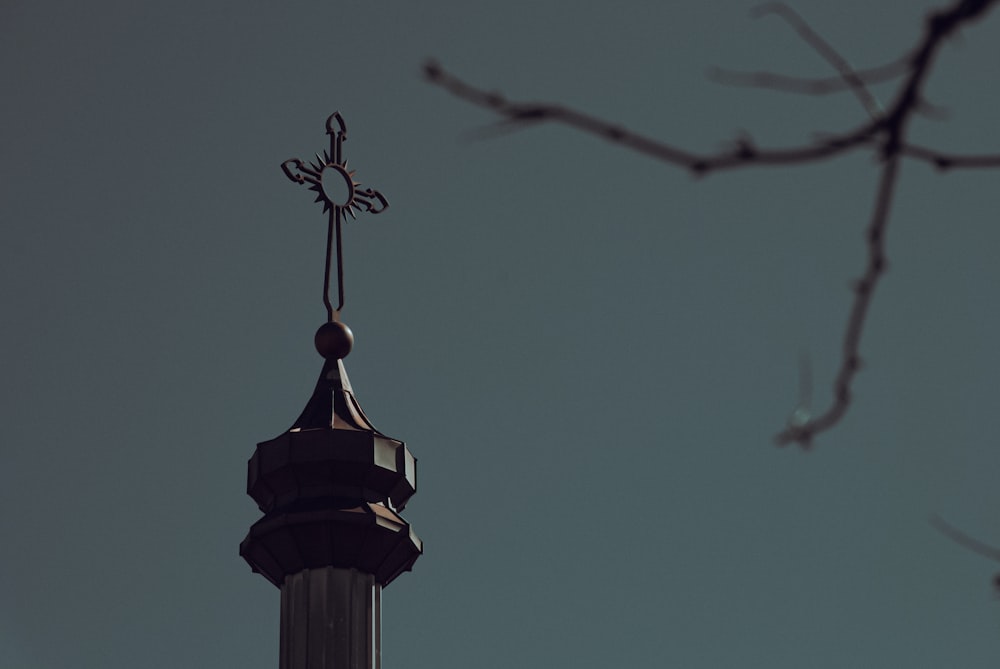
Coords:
pixel 336 188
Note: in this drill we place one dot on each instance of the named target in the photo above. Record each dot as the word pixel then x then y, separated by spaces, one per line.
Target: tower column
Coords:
pixel 330 617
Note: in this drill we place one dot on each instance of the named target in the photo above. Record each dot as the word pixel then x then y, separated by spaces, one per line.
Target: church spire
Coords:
pixel 331 487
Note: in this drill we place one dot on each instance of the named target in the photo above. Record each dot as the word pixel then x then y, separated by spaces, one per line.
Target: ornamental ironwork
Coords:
pixel 335 187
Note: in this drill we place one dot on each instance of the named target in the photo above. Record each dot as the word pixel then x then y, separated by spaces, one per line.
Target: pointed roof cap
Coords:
pixel 333 405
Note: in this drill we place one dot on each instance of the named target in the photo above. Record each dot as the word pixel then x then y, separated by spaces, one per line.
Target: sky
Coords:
pixel 589 352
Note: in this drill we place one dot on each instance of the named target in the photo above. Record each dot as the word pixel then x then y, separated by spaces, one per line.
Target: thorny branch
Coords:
pixel 884 133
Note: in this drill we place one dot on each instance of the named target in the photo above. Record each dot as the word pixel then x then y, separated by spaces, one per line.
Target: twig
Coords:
pixel 805 85
pixel 745 153
pixel 947 161
pixel 968 542
pixel 854 82
pixel 963 539
pixel 864 290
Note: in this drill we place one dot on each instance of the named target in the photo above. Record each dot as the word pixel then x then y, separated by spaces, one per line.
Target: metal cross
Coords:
pixel 336 189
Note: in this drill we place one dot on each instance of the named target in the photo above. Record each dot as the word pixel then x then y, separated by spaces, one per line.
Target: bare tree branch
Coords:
pixel 885 133
pixel 805 85
pixel 745 153
pixel 963 539
pixel 947 161
pixel 864 289
pixel 826 51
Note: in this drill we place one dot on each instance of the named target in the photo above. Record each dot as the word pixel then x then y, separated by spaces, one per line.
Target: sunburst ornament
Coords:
pixel 336 188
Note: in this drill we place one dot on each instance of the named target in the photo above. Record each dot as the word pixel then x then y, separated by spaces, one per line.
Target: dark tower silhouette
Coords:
pixel 331 487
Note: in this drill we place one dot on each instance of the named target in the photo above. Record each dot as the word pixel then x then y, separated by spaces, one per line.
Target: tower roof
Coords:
pixel 332 485
pixel 333 404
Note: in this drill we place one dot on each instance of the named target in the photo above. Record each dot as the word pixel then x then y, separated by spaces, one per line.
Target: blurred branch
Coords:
pixel 968 542
pixel 963 539
pixel 884 133
pixel 864 290
pixel 523 114
pixel 805 85
pixel 946 161
pixel 847 74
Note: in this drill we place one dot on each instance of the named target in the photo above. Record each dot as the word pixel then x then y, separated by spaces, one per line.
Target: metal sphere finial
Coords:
pixel 334 340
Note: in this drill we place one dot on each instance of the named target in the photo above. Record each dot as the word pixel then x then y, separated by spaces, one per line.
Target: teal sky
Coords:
pixel 588 351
